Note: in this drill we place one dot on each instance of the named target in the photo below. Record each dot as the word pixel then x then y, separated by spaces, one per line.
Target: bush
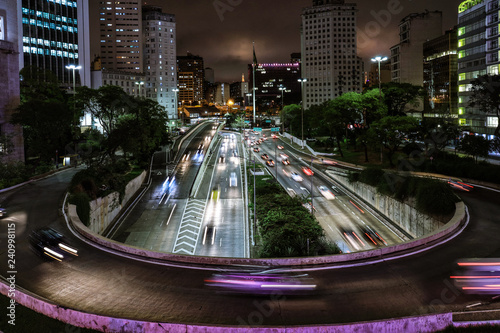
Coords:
pixel 435 198
pixel 82 202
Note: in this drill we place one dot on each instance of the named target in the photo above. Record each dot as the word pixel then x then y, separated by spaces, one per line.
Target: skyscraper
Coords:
pixel 329 51
pixel 406 57
pixel 478 45
pixel 191 73
pixel 121 35
pixel 54 35
pixel 160 58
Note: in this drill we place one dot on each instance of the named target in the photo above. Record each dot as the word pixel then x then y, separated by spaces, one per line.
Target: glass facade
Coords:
pixel 50 36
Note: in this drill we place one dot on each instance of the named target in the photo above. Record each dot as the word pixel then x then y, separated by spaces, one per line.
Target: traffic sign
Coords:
pixel 275 129
pixel 257 129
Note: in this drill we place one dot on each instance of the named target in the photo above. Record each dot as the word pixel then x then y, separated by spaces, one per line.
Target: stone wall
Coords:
pixel 405 216
pixel 104 210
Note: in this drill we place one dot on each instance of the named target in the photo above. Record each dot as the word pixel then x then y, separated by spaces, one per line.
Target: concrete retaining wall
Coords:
pixel 384 252
pixel 405 216
pixel 104 210
pixel 428 323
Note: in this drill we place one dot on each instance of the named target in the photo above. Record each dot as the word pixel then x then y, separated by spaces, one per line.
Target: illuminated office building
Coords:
pixel 478 54
pixel 55 35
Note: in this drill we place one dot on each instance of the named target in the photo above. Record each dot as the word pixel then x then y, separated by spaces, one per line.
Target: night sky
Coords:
pixel 224 37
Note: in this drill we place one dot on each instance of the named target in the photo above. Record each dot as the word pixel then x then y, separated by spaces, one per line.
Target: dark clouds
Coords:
pixel 222 31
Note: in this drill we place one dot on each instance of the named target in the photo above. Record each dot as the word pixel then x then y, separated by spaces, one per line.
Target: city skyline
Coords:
pixel 245 22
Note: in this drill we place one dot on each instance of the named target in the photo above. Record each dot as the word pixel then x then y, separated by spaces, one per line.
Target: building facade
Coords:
pixel 269 78
pixel 121 44
pixel 160 58
pixel 55 35
pixel 441 74
pixel 478 54
pixel 329 51
pixel 406 57
pixel 11 137
pixel 191 76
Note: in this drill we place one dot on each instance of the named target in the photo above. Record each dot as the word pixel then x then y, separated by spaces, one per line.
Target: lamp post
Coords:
pixel 302 80
pixel 139 83
pixel 175 90
pixel 74 68
pixel 379 59
pixel 282 106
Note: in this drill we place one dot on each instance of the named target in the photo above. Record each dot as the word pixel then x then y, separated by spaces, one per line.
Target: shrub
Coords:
pixel 82 202
pixel 435 198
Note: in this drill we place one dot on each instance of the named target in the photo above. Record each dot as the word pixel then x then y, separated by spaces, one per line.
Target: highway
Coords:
pixel 101 282
pixel 342 217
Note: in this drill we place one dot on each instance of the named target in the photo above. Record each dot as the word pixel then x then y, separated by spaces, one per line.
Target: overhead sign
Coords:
pixel 275 129
pixel 257 129
pixel 268 120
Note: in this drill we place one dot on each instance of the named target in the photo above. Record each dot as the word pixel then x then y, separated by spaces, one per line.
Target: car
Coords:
pixel 326 192
pixel 307 171
pixel 233 180
pixel 270 163
pixel 265 156
pixel 282 155
pixel 285 161
pixel 256 149
pixel 50 244
pixel 373 236
pixel 262 283
pixel 3 212
pixel 280 147
pixel 295 176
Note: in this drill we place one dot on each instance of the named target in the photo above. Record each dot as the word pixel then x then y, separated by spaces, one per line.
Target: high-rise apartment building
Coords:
pixel 11 137
pixel 191 76
pixel 440 74
pixel 478 54
pixel 121 35
pixel 160 58
pixel 55 35
pixel 329 51
pixel 406 57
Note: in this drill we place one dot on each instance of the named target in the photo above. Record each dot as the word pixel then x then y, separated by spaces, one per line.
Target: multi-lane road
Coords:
pixel 101 282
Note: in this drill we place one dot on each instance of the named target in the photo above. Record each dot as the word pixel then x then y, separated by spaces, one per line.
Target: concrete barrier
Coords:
pixel 447 230
pixel 426 323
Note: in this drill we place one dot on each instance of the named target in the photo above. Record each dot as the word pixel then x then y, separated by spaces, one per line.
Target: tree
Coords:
pixel 438 132
pixel 392 131
pixel 485 94
pixel 292 117
pixel 397 95
pixel 48 120
pixel 106 104
pixel 141 131
pixel 475 146
pixel 373 110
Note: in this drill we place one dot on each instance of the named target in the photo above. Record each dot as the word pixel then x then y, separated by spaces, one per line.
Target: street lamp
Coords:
pixel 379 59
pixel 175 90
pixel 282 106
pixel 73 67
pixel 302 80
pixel 139 83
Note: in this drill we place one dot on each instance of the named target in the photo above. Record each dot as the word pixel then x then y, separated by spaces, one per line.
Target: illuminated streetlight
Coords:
pixel 379 59
pixel 302 80
pixel 73 68
pixel 139 83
